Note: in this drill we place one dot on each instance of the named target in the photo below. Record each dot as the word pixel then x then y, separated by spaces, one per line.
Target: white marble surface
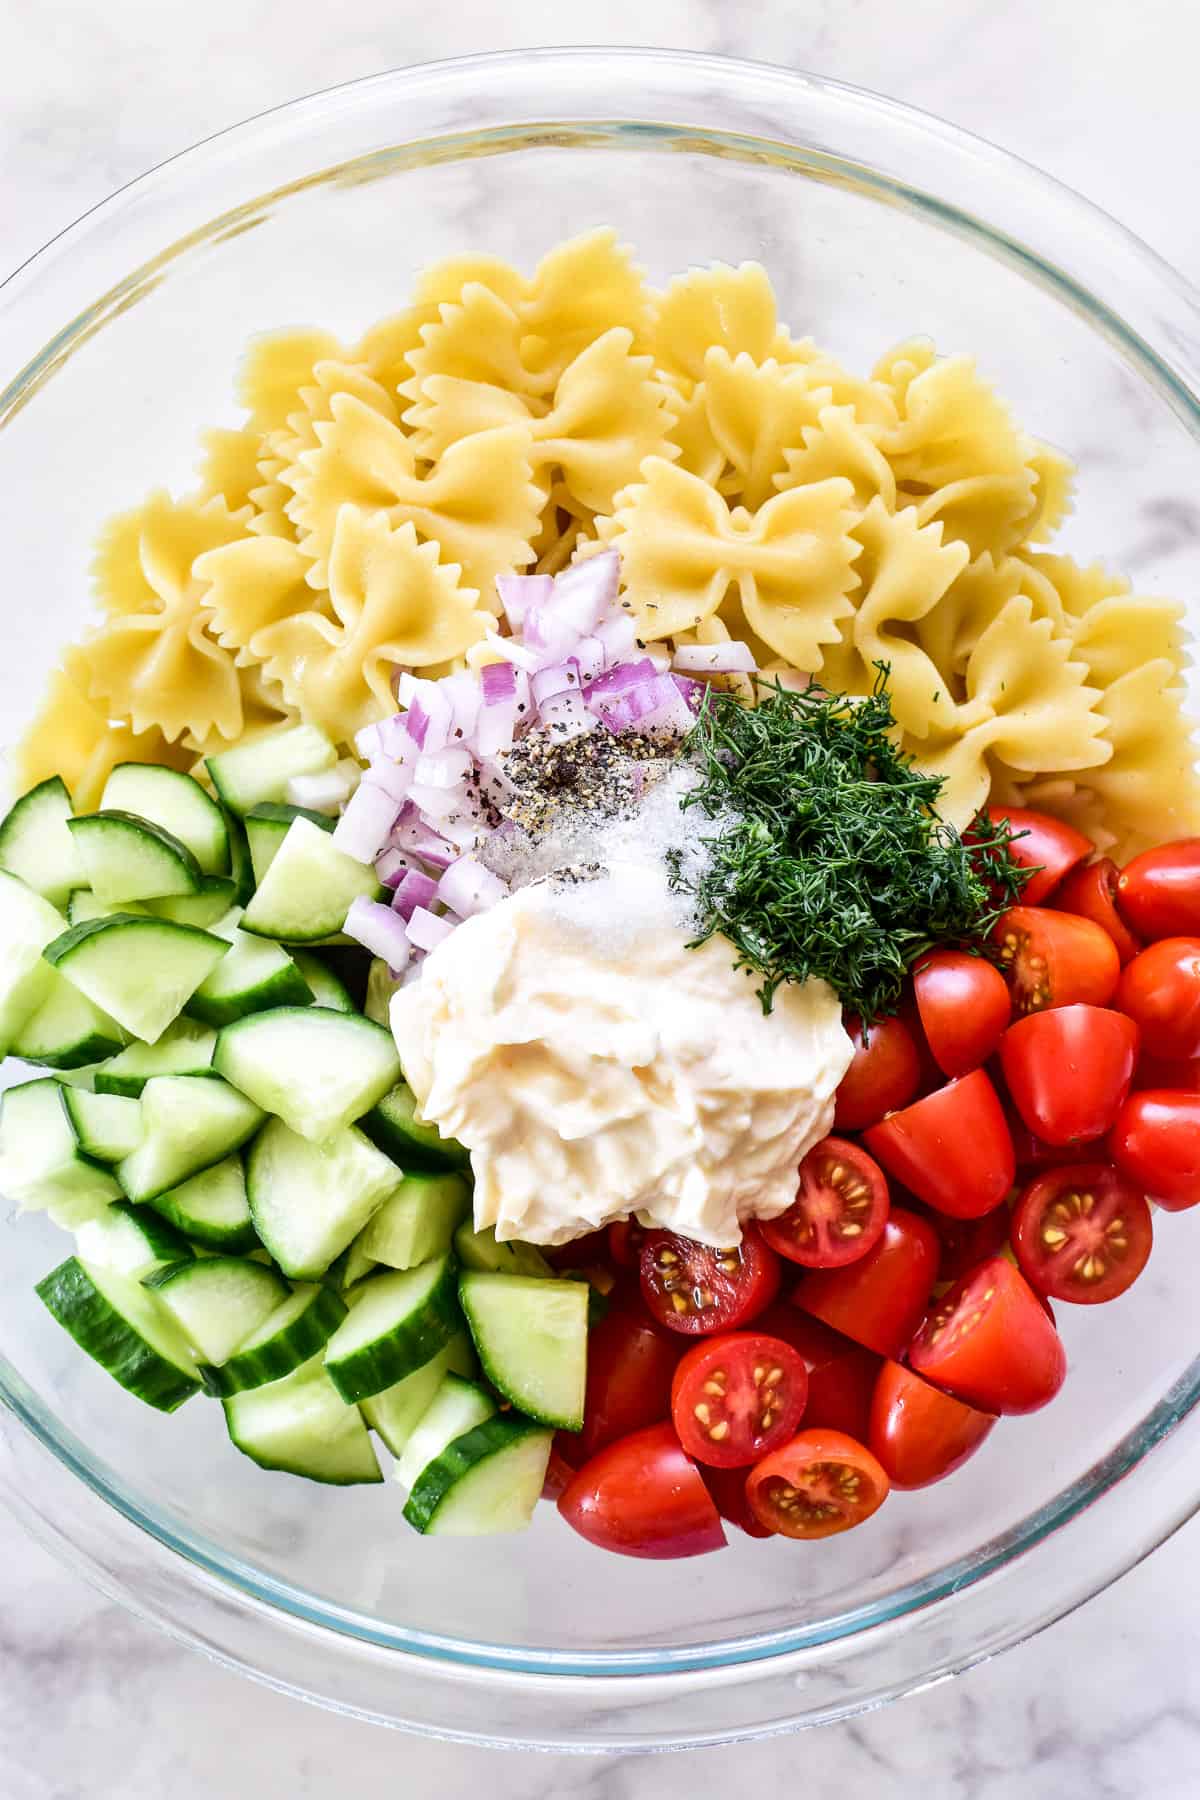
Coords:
pixel 1105 1706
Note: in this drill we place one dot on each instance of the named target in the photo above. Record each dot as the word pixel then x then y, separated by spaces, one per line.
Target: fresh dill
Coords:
pixel 837 864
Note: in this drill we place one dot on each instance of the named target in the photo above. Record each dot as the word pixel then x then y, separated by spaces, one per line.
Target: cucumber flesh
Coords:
pixel 36 846
pixel 127 858
pixel 457 1407
pixel 68 1031
pixel 259 771
pixel 185 1048
pixel 124 1328
pixel 212 1209
pixel 480 1250
pixel 256 976
pixel 394 1126
pixel 241 869
pixel 401 1320
pixel 382 986
pixel 302 1426
pixel 355 1264
pixel 27 924
pixel 211 901
pixel 531 1338
pixel 140 971
pixel 217 1301
pixel 41 1165
pixel 326 988
pixel 309 1201
pixel 106 1126
pixel 484 1484
pixel 309 888
pixel 177 803
pixel 84 905
pixel 189 1122
pixel 398 1410
pixel 131 1239
pixel 266 828
pixel 316 1070
pixel 418 1221
pixel 297 1330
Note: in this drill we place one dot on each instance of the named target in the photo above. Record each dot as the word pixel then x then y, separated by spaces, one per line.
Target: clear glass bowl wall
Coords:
pixel 121 341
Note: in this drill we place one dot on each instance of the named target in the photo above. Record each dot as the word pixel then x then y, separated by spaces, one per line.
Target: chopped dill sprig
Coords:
pixel 837 864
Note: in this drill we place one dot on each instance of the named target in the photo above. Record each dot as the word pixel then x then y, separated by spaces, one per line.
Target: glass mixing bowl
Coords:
pixel 118 342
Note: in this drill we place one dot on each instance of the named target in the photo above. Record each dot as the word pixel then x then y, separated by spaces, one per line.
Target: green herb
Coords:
pixel 837 864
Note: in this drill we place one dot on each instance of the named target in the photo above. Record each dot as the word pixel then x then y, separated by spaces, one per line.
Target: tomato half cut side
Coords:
pixel 1160 991
pixel 880 1299
pixel 1091 891
pixel 1155 1142
pixel 885 1072
pixel 736 1398
pixel 841 1373
pixel 631 1363
pixel 840 1209
pixel 643 1496
pixel 1044 844
pixel 964 1005
pixel 1159 891
pixel 989 1342
pixel 952 1148
pixel 694 1289
pixel 919 1434
pixel 1055 959
pixel 822 1483
pixel 1082 1233
pixel 1068 1071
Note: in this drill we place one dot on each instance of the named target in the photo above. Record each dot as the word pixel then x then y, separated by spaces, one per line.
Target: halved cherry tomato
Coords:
pixel 1055 959
pixel 559 1474
pixel 966 1242
pixel 841 1373
pixel 1069 1070
pixel 884 1074
pixel 879 1299
pixel 1161 1072
pixel 1161 990
pixel 643 1496
pixel 1159 891
pixel 588 1251
pixel 625 1240
pixel 821 1483
pixel 1155 1141
pixel 990 1343
pixel 736 1398
pixel 696 1290
pixel 839 1212
pixel 631 1363
pixel 1043 844
pixel 952 1149
pixel 1032 1151
pixel 918 1433
pixel 964 1005
pixel 1082 1233
pixel 1091 891
pixel 728 1489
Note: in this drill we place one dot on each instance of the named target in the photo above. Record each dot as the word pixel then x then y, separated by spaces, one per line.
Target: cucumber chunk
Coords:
pixel 401 1320
pixel 105 1125
pixel 189 1122
pixel 178 803
pixel 398 1410
pixel 41 1164
pixel 212 1209
pixel 217 1301
pixel 211 901
pixel 267 826
pixel 241 869
pixel 485 1483
pixel 296 1331
pixel 302 1426
pixel 36 845
pixel 316 1070
pixel 251 773
pixel 84 905
pixel 67 1031
pixel 124 1328
pixel 394 1126
pixel 326 988
pixel 140 971
pixel 309 888
pixel 309 1201
pixel 382 986
pixel 457 1407
pixel 185 1048
pixel 418 1221
pixel 255 977
pixel 354 1265
pixel 131 1239
pixel 127 858
pixel 27 924
pixel 531 1339
pixel 479 1250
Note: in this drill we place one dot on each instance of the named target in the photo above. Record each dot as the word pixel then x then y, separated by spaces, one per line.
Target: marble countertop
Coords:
pixel 1105 1705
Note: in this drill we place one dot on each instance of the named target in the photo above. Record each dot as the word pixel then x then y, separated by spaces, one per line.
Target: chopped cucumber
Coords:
pixel 178 803
pixel 457 1407
pixel 36 845
pixel 185 1048
pixel 485 1483
pixel 382 985
pixel 27 924
pixel 260 770
pixel 84 905
pixel 302 1426
pixel 41 1164
pixel 212 1208
pixel 401 1320
pixel 480 1250
pixel 217 1301
pixel 67 1031
pixel 309 888
pixel 105 1125
pixel 418 1221
pixel 131 1239
pixel 297 1329
pixel 266 828
pixel 189 1122
pixel 127 858
pixel 394 1126
pixel 327 989
pixel 124 1328
pixel 256 976
pixel 355 1265
pixel 141 971
pixel 309 1201
pixel 531 1338
pixel 211 901
pixel 241 869
pixel 398 1410
pixel 316 1070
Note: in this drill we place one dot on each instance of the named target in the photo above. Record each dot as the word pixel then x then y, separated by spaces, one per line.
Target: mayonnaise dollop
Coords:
pixel 595 1067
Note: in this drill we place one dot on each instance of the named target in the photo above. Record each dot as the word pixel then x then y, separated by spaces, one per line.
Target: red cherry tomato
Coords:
pixel 1044 844
pixel 1069 1070
pixel 964 1006
pixel 643 1496
pixel 589 1251
pixel 1055 959
pixel 841 1373
pixel 1091 891
pixel 559 1473
pixel 625 1240
pixel 696 1290
pixel 1159 891
pixel 1160 989
pixel 736 1398
pixel 1155 1142
pixel 951 1149
pixel 918 1433
pixel 1033 1152
pixel 990 1343
pixel 884 1074
pixel 966 1242
pixel 879 1299
pixel 728 1490
pixel 1159 1072
pixel 839 1212
pixel 821 1483
pixel 1082 1233
pixel 631 1363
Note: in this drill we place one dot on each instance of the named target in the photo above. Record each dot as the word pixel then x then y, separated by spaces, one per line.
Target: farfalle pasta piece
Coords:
pixel 393 604
pixel 904 570
pixel 1079 587
pixel 871 402
pixel 756 413
pixel 790 563
pixel 72 737
pixel 275 366
pixel 567 526
pixel 228 466
pixel 839 444
pixel 252 583
pixel 1121 633
pixel 1149 788
pixel 578 291
pixel 271 501
pixel 733 309
pixel 692 435
pixel 314 403
pixel 1053 491
pixel 949 632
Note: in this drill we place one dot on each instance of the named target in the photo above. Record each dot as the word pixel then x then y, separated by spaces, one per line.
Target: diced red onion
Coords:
pixel 368 742
pixel 654 706
pixel 363 828
pixel 497 724
pixel 437 803
pixel 495 784
pixel 589 652
pixel 621 677
pixel 426 931
pixel 554 680
pixel 391 867
pixel 464 829
pixel 406 686
pixel 414 890
pixel 567 716
pixel 395 779
pixel 463 692
pixel 380 930
pixel 414 836
pixel 694 692
pixel 323 792
pixel 522 655
pixel 468 888
pixel 585 592
pixel 497 682
pixel 444 768
pixel 395 739
pixel 429 719
pixel 734 658
pixel 660 656
pixel 618 636
pixel 519 592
